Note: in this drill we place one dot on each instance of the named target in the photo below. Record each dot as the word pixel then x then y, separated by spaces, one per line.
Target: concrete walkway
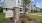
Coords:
pixel 36 14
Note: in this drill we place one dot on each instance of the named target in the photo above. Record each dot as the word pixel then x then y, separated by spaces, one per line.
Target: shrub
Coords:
pixel 1 9
pixel 23 21
pixel 11 18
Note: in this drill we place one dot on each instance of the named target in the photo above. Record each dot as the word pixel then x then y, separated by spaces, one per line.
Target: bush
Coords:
pixel 1 9
pixel 29 19
pixel 11 18
pixel 23 21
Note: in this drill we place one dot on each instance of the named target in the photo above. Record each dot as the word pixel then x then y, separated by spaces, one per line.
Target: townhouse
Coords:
pixel 8 5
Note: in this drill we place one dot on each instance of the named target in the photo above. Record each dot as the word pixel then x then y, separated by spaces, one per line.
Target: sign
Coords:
pixel 9 14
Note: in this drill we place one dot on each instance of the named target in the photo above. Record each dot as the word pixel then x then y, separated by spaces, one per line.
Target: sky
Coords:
pixel 38 3
pixel 1 1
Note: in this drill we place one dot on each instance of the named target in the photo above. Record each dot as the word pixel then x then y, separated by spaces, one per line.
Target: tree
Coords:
pixel 26 9
pixel 26 3
pixel 1 10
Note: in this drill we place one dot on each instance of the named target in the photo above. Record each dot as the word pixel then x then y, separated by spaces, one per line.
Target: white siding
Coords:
pixel 10 3
pixel 38 9
pixel 17 4
pixel 30 6
pixel 4 10
pixel 33 7
pixel 21 9
pixel 21 2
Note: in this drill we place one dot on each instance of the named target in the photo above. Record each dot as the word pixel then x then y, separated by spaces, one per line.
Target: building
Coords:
pixel 33 8
pixel 30 7
pixel 38 9
pixel 41 10
pixel 13 6
pixel 9 4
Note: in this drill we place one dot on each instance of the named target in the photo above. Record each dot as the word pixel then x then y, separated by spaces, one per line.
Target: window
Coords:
pixel 12 0
pixel 6 9
pixel 20 9
pixel 5 4
pixel 18 1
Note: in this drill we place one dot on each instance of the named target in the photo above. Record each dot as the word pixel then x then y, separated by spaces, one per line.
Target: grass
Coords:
pixel 36 16
pixel 2 17
pixel 32 15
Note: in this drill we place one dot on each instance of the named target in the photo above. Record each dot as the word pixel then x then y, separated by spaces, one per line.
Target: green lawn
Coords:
pixel 2 17
pixel 37 16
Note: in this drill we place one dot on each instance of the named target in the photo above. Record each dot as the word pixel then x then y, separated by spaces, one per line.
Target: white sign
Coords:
pixel 9 14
